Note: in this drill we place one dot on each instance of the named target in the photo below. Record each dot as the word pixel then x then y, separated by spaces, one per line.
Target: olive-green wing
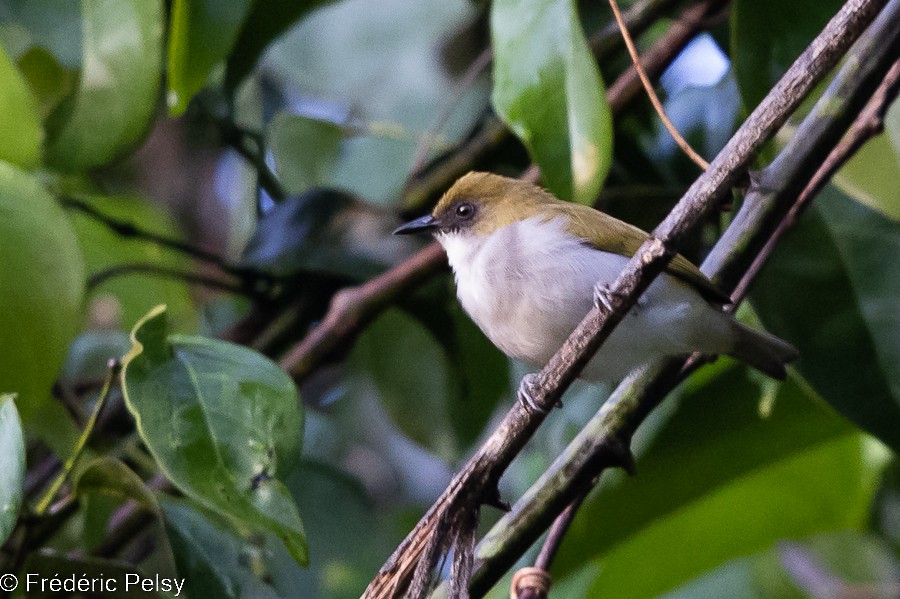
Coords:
pixel 621 238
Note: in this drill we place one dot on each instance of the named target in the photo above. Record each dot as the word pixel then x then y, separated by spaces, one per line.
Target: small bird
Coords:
pixel 527 266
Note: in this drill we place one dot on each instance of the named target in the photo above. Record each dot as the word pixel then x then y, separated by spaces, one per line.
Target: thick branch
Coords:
pixel 477 479
pixel 582 462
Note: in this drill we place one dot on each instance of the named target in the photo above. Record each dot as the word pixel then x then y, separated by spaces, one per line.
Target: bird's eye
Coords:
pixel 465 210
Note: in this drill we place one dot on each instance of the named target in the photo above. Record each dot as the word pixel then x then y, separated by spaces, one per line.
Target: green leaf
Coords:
pixel 719 481
pixel 12 465
pixel 768 35
pixel 304 149
pixel 112 478
pixel 872 173
pixel 42 278
pixel 410 372
pixel 267 20
pixel 117 94
pixel 832 289
pixel 20 127
pixel 548 90
pixel 201 34
pixel 212 559
pixel 122 300
pixel 50 83
pixel 222 422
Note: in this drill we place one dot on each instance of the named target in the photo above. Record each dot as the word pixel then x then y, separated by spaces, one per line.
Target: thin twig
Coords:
pixel 692 20
pixel 467 80
pixel 476 483
pixel 170 273
pixel 128 229
pixel 869 124
pixel 112 372
pixel 237 137
pixel 651 93
pixel 353 308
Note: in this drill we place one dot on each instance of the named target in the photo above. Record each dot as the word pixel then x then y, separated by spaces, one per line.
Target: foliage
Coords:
pixel 244 161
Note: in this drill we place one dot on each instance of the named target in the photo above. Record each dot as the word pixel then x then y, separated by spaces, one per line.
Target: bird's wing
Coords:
pixel 624 239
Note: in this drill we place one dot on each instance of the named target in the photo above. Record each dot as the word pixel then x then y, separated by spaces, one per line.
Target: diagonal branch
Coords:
pixel 576 470
pixel 476 483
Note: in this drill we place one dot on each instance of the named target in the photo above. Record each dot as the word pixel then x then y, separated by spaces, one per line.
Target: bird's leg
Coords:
pixel 526 393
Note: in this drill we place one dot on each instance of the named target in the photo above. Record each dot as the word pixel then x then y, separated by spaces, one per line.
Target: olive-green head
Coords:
pixel 481 203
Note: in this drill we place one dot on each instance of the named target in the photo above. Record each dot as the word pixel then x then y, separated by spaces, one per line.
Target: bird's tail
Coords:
pixel 763 351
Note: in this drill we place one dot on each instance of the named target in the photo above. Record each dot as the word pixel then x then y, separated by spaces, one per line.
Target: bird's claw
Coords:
pixel 603 296
pixel 526 393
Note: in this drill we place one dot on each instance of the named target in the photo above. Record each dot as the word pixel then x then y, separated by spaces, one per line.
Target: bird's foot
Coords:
pixel 603 296
pixel 526 393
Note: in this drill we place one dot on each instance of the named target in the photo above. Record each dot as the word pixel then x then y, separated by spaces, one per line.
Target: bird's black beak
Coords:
pixel 423 224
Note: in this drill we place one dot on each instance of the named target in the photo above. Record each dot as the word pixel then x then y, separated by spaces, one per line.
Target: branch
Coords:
pixel 868 124
pixel 171 273
pixel 476 483
pixel 579 467
pixel 128 229
pixel 354 308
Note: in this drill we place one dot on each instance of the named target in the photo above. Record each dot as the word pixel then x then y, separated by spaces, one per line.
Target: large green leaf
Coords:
pixel 20 127
pixel 42 281
pixel 117 94
pixel 222 422
pixel 548 90
pixel 832 289
pixel 410 372
pixel 267 20
pixel 201 34
pixel 12 465
pixel 135 293
pixel 718 481
pixel 768 35
pixel 348 539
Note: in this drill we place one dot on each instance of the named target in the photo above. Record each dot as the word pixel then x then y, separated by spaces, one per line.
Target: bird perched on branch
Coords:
pixel 528 268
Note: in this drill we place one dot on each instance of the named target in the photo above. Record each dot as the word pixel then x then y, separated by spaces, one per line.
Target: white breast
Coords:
pixel 529 284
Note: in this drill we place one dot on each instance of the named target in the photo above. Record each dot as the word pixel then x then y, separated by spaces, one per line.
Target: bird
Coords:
pixel 527 268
